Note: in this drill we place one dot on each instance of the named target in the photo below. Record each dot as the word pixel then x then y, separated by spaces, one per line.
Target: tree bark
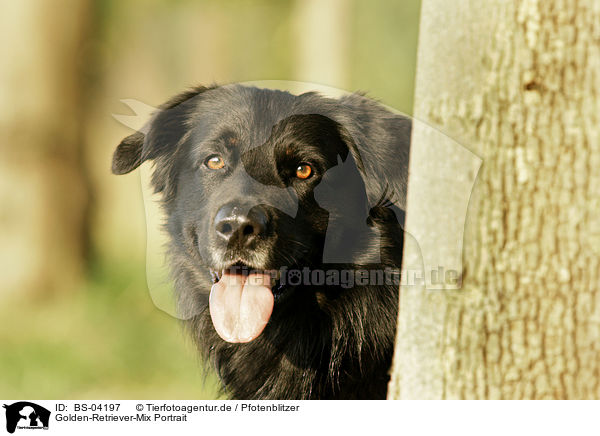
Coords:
pixel 518 83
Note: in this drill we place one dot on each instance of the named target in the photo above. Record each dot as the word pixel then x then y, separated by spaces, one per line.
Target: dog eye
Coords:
pixel 214 162
pixel 304 171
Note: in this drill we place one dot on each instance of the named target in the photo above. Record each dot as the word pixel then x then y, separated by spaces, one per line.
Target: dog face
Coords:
pixel 258 180
pixel 248 200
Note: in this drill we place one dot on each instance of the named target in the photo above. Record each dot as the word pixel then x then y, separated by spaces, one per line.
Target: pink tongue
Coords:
pixel 240 306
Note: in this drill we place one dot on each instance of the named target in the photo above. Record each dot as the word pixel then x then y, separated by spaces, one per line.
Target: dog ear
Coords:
pixel 162 133
pixel 128 155
pixel 379 141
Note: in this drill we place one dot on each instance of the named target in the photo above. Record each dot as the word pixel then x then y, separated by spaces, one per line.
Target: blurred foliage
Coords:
pixel 108 340
pixel 384 53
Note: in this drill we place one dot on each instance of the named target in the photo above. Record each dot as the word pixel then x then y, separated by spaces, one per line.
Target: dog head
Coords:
pixel 257 180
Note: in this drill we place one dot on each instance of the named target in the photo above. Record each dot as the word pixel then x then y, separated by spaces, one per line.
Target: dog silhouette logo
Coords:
pixel 26 415
pixel 342 193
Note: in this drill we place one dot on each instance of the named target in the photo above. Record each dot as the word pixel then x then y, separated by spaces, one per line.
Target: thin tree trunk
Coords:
pixel 518 83
pixel 42 182
pixel 322 28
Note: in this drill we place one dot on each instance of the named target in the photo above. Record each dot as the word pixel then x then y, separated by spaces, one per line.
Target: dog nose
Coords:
pixel 231 223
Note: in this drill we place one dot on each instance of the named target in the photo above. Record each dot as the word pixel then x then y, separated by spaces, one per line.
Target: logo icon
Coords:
pixel 26 415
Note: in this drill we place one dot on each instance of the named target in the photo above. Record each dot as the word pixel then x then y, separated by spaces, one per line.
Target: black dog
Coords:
pixel 288 211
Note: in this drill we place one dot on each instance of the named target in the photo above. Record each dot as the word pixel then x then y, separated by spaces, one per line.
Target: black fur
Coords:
pixel 322 342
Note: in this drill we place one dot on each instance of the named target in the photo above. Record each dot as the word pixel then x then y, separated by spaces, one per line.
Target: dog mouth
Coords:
pixel 241 301
pixel 278 288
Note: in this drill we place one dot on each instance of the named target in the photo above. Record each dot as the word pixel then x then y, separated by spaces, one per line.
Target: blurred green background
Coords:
pixel 76 318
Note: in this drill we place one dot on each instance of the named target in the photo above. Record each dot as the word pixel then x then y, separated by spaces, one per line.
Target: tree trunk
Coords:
pixel 322 28
pixel 518 83
pixel 42 181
